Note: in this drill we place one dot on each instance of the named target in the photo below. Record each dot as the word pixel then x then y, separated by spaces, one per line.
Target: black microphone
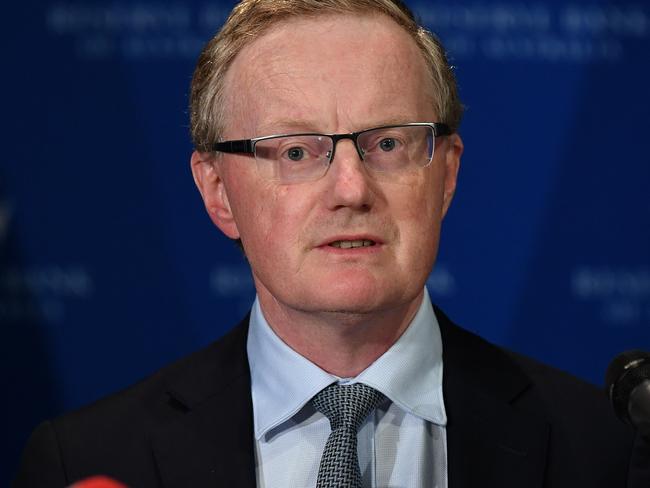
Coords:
pixel 628 386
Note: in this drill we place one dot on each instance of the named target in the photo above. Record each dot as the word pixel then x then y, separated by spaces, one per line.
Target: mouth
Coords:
pixel 352 244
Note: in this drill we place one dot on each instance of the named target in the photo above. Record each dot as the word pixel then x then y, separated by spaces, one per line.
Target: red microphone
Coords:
pixel 98 482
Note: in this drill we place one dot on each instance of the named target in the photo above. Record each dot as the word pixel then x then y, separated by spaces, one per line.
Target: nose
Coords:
pixel 349 184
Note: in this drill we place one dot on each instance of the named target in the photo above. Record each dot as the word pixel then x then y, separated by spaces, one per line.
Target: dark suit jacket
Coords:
pixel 512 422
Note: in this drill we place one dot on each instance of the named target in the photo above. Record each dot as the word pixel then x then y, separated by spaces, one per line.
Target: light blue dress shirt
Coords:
pixel 402 444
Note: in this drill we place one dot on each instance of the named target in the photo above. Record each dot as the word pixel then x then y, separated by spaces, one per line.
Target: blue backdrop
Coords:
pixel 110 268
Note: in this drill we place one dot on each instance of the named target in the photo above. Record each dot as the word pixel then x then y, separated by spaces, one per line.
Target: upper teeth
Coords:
pixel 349 244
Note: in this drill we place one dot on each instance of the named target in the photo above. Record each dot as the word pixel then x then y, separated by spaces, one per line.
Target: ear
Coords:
pixel 206 171
pixel 453 151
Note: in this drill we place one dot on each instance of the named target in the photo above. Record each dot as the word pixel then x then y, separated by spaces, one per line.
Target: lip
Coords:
pixel 325 244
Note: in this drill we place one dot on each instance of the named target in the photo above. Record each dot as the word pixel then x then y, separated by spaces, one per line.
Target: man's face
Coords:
pixel 333 74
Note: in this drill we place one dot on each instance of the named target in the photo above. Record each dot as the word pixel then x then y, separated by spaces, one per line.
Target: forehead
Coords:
pixel 328 73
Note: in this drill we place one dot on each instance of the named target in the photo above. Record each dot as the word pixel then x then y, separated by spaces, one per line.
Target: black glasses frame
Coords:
pixel 247 146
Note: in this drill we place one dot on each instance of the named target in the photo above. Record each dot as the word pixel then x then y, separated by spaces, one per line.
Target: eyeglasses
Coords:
pixel 291 158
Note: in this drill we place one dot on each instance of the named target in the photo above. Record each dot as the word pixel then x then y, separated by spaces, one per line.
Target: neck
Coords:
pixel 341 343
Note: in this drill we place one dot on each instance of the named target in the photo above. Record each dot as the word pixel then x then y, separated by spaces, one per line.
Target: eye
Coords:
pixel 295 153
pixel 387 144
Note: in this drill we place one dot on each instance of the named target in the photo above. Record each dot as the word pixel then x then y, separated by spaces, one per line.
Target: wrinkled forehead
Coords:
pixel 329 70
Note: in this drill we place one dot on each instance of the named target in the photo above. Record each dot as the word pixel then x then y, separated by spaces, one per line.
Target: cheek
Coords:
pixel 245 196
pixel 420 201
pixel 270 217
pixel 418 217
pixel 290 209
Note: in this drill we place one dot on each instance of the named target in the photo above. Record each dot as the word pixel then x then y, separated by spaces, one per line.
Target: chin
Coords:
pixel 356 298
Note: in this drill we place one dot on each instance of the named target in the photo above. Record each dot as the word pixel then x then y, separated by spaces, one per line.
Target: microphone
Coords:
pixel 98 482
pixel 628 386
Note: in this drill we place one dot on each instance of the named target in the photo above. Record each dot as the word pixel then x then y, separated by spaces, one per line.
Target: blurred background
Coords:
pixel 110 267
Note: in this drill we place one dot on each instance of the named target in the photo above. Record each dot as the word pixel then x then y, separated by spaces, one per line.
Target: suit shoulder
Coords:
pixel 568 403
pixel 495 368
pixel 556 380
pixel 178 384
pixel 582 441
pixel 113 435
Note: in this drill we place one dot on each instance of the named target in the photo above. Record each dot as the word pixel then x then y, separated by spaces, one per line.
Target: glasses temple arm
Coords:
pixel 240 146
pixel 440 129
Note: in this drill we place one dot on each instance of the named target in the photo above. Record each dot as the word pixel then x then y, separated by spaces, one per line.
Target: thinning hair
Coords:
pixel 250 19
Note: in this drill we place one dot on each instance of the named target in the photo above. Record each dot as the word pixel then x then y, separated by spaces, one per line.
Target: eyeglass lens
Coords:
pixel 295 158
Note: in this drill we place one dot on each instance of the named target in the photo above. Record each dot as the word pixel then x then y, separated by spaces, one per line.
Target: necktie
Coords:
pixel 346 407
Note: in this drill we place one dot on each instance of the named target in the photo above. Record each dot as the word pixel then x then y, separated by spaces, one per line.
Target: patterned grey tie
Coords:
pixel 346 407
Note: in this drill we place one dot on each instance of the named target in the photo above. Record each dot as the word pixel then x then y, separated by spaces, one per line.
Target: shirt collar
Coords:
pixel 409 373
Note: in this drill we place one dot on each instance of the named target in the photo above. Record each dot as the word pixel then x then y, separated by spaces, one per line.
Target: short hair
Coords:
pixel 250 19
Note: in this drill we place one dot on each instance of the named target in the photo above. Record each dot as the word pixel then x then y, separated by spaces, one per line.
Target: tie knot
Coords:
pixel 347 405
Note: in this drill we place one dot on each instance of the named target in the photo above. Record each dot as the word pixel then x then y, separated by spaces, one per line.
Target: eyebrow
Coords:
pixel 395 120
pixel 288 126
pixel 281 126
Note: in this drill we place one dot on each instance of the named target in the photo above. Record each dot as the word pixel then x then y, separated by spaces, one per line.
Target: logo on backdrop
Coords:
pixel 622 295
pixel 567 33
pixel 38 293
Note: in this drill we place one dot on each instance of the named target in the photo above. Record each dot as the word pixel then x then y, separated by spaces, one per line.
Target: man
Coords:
pixel 326 143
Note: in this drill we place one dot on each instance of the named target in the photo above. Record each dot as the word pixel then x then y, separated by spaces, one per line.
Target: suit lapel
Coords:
pixel 209 440
pixel 489 441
